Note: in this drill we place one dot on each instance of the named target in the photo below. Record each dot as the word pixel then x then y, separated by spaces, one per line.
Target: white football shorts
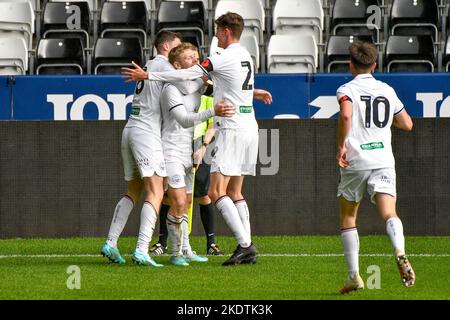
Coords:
pixel 353 184
pixel 179 176
pixel 142 154
pixel 235 152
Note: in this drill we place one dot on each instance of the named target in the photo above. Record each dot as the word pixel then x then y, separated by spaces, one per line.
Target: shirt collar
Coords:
pixel 364 76
pixel 162 57
pixel 237 44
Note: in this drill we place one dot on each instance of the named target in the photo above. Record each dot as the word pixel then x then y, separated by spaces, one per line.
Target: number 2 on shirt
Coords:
pixel 245 85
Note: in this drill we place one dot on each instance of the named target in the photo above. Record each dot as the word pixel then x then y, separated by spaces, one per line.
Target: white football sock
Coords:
pixel 350 241
pixel 186 247
pixel 148 221
pixel 175 233
pixel 394 229
pixel 231 216
pixel 120 218
pixel 244 214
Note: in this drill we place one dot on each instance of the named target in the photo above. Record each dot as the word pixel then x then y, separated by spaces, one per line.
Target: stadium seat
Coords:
pixel 337 55
pixel 148 3
pixel 292 54
pixel 13 56
pixel 350 18
pixel 410 54
pixel 33 3
pixel 60 56
pixel 188 18
pixel 57 21
pixel 111 54
pixel 409 17
pixel 17 18
pixel 251 11
pixel 205 2
pixel 293 16
pixel 91 3
pixel 124 20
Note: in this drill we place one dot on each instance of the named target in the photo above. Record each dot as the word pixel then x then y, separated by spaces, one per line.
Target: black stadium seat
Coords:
pixel 60 56
pixel 337 56
pixel 110 54
pixel 408 17
pixel 351 17
pixel 124 20
pixel 410 54
pixel 186 17
pixel 60 20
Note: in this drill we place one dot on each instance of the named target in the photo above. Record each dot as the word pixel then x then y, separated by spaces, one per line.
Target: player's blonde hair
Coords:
pixel 176 52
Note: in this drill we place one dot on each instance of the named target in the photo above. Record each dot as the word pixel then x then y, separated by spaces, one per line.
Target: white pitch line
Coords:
pixel 260 255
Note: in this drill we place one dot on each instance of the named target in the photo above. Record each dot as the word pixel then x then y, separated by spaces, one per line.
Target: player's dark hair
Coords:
pixel 175 53
pixel 363 54
pixel 166 36
pixel 232 21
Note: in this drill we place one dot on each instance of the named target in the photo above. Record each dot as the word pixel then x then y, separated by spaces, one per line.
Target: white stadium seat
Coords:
pixel 17 19
pixel 34 3
pixel 251 11
pixel 13 56
pixel 292 54
pixel 294 16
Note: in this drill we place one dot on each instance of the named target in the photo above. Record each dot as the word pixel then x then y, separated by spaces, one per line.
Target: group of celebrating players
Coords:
pixel 157 149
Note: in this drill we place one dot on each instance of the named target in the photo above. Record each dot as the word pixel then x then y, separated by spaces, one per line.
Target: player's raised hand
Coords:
pixel 134 74
pixel 341 157
pixel 224 110
pixel 262 95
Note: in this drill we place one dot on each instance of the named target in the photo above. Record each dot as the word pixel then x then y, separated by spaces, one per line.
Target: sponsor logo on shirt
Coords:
pixel 135 111
pixel 372 146
pixel 245 109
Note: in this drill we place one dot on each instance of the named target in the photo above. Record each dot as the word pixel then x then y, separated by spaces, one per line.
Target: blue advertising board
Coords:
pixel 303 96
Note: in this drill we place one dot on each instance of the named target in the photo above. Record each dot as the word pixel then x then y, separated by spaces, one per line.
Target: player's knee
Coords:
pixel 213 194
pixel 205 200
pixel 234 195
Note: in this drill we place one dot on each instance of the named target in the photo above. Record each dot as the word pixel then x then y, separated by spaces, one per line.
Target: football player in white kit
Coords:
pixel 368 109
pixel 143 158
pixel 236 149
pixel 177 136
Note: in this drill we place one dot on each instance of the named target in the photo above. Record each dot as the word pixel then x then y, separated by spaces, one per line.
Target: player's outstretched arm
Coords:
pixel 262 95
pixel 138 74
pixel 403 121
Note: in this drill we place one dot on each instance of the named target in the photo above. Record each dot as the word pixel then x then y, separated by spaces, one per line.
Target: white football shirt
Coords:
pixel 233 76
pixel 375 104
pixel 145 109
pixel 177 140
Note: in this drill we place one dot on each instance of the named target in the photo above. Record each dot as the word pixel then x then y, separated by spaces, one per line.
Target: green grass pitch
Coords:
pixel 288 268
